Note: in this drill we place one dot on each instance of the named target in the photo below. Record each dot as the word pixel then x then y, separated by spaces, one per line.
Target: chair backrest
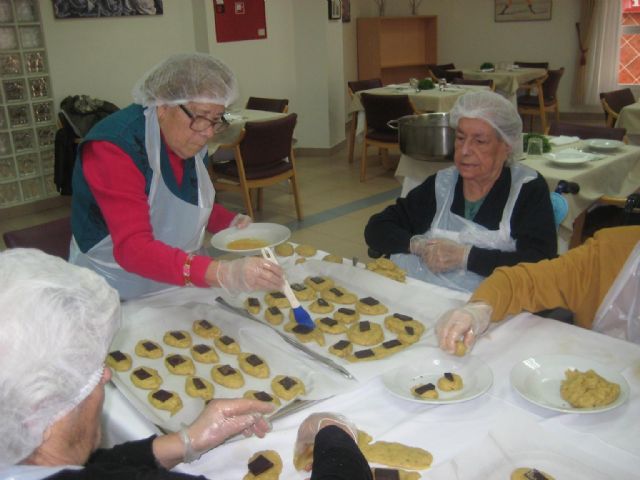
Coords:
pixel 358 85
pixel 587 131
pixel 445 70
pixel 279 105
pixel 379 109
pixel 551 84
pixel 617 99
pixel 267 142
pixel 544 65
pixel 53 237
pixel 467 81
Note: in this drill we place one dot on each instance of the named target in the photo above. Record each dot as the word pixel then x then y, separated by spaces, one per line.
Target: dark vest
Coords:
pixel 126 129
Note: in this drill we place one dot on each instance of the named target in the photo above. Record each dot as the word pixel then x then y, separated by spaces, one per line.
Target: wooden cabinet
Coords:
pixel 396 48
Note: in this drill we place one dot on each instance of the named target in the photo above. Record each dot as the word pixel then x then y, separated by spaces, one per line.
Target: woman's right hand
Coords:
pixel 466 324
pixel 246 274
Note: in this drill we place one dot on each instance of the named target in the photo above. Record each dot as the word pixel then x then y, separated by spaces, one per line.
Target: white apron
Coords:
pixel 619 312
pixel 448 225
pixel 32 472
pixel 175 222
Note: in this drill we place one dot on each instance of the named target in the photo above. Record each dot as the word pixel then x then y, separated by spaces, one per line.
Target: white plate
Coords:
pixel 476 375
pixel 538 380
pixel 272 233
pixel 604 145
pixel 570 157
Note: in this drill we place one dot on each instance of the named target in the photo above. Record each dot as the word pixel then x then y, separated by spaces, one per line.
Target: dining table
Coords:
pixel 506 80
pixel 508 415
pixel 433 100
pixel 629 119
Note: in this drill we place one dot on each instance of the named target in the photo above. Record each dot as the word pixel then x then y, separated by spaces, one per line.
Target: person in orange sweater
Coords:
pixel 598 281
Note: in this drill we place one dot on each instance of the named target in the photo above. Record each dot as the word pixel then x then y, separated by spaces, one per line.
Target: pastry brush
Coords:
pixel 301 316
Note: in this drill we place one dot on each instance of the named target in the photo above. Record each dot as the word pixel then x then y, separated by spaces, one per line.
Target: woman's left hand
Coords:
pixel 241 221
pixel 443 255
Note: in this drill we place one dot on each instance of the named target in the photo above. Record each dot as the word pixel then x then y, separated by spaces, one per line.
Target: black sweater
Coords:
pixel 532 222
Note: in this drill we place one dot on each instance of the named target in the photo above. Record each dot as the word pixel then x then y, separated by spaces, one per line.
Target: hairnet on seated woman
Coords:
pixel 57 323
pixel 184 78
pixel 497 111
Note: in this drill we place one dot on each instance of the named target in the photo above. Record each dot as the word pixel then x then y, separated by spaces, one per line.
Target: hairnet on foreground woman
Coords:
pixel 484 212
pixel 57 323
pixel 142 196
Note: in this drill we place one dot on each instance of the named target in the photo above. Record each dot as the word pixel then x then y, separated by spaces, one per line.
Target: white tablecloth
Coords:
pixel 609 440
pixel 506 82
pixel 629 118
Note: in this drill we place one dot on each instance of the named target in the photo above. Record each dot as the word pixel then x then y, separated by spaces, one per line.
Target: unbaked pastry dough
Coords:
pixel 370 306
pixel 277 299
pixel 303 292
pixel 253 365
pixel 262 396
pixel 588 389
pixel 394 474
pixel 318 282
pixel 206 329
pixel 530 474
pixel 306 250
pixel 148 349
pixel 119 361
pixel 305 334
pixel 365 333
pixel 346 315
pixel 204 353
pixel 284 249
pixel 332 258
pixel 320 306
pixel 227 376
pixel 177 338
pixel 198 387
pixel 274 315
pixel 179 364
pixel 393 454
pixel 287 387
pixel 165 400
pixel 341 348
pixel 227 344
pixel 450 382
pixel 339 295
pixel 461 349
pixel 252 305
pixel 264 465
pixel 425 390
pixel 331 325
pixel 146 377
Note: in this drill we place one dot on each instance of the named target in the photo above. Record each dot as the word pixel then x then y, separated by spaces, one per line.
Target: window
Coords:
pixel 629 63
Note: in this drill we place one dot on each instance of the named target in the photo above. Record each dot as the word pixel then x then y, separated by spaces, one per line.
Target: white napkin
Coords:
pixel 562 140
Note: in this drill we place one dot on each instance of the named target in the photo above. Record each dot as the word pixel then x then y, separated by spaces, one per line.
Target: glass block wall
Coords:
pixel 27 121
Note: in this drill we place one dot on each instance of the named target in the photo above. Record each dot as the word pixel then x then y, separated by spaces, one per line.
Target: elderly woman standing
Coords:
pixel 142 196
pixel 57 323
pixel 484 212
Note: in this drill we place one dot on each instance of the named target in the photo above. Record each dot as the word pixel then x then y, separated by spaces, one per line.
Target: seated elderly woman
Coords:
pixel 57 324
pixel 599 282
pixel 484 212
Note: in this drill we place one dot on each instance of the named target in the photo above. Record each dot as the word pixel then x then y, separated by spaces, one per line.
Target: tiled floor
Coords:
pixel 336 205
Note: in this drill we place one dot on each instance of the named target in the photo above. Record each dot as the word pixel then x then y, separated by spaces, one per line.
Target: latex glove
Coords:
pixel 248 274
pixel 443 255
pixel 466 324
pixel 222 419
pixel 418 245
pixel 310 427
pixel 241 221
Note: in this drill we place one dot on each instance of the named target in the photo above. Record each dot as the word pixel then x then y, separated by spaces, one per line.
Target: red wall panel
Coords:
pixel 240 20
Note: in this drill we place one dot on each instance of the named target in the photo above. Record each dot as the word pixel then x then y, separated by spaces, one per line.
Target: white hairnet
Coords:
pixel 497 111
pixel 55 329
pixel 184 78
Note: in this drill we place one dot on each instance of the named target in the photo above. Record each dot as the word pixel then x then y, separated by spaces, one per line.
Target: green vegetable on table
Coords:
pixel 487 66
pixel 546 146
pixel 426 84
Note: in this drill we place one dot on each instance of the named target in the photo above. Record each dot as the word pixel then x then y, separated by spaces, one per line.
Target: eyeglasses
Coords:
pixel 200 123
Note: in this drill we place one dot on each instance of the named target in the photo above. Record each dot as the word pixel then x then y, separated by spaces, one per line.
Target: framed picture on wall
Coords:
pixel 346 11
pixel 105 8
pixel 335 9
pixel 522 10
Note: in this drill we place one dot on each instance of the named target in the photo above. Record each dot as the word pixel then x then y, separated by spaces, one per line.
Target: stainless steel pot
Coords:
pixel 425 137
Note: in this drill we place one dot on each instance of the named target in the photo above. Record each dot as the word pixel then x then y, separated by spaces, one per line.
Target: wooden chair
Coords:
pixel 279 105
pixel 53 237
pixel 586 131
pixel 445 70
pixel 354 87
pixel 263 156
pixel 546 99
pixel 467 81
pixel 378 110
pixel 613 102
pixel 544 65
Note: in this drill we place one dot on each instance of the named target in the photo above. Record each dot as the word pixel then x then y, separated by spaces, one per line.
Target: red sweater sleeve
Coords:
pixel 118 187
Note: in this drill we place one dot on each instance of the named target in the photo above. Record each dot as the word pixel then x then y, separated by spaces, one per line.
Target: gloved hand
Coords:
pixel 241 221
pixel 248 274
pixel 309 428
pixel 222 419
pixel 418 245
pixel 466 323
pixel 443 255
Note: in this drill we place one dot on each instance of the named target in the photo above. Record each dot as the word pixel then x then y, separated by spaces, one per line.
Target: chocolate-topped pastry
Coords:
pixel 364 326
pixel 226 340
pixel 369 301
pixel 227 344
pixel 253 302
pixel 288 383
pixel 201 348
pixel 341 345
pixel 323 303
pixel 370 306
pixel 404 318
pixel 254 360
pixel 199 384
pixel 118 356
pixel 204 353
pixel 260 465
pixel 449 376
pixel 199 388
pixel 426 391
pixel 146 377
pixel 317 280
pixel 450 382
pixel 263 396
pixel 329 321
pixel 180 365
pixel 392 343
pixel 206 329
pixel 226 370
pixel 141 374
pixel 274 311
pixel 177 338
pixel 178 335
pixel 347 311
pixel 346 315
pixel 287 387
pixel 409 330
pixel 386 474
pixel 277 295
pixel 165 400
pixel 148 349
pixel 331 325
pixel 364 353
pixel 425 388
pixel 534 474
pixel 336 291
pixel 162 395
pixel 302 329
pixel 298 287
pixel 175 360
pixel 149 346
